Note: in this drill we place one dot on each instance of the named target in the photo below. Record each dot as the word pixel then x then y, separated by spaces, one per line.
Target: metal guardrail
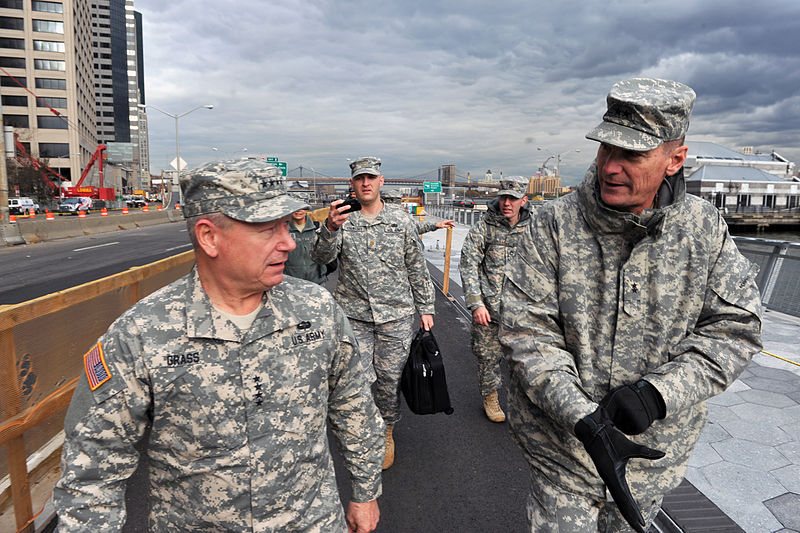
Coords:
pixel 778 261
pixel 779 272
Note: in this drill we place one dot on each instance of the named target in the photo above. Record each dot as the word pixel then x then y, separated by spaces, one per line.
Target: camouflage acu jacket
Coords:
pixel 487 249
pixel 382 270
pixel 238 439
pixel 596 299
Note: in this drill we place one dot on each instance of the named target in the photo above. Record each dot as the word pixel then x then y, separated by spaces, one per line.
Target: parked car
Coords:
pixel 75 204
pixel 136 200
pixel 21 206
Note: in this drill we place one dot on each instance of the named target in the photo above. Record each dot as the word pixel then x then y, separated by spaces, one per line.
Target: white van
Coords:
pixel 21 206
pixel 75 204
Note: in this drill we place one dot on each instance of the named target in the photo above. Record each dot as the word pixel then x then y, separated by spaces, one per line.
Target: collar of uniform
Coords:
pixel 274 316
pixel 494 216
pixel 358 219
pixel 309 226
pixel 204 321
pixel 604 219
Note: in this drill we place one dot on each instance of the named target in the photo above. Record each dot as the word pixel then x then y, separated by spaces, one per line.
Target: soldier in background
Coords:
pixel 626 307
pixel 234 369
pixel 303 230
pixel 383 281
pixel 489 245
pixel 422 227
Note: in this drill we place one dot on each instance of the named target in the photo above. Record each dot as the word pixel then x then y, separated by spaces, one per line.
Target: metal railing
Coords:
pixel 778 261
pixel 779 272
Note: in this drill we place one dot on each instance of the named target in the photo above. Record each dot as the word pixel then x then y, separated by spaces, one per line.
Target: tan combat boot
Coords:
pixel 492 407
pixel 388 457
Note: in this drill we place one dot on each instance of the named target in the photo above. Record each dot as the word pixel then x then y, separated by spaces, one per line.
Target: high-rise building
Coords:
pixel 119 87
pixel 544 186
pixel 46 82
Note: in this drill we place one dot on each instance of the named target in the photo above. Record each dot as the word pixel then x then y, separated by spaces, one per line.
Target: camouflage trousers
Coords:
pixel 488 352
pixel 552 509
pixel 384 350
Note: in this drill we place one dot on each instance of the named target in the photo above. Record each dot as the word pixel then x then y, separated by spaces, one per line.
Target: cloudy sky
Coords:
pixel 483 85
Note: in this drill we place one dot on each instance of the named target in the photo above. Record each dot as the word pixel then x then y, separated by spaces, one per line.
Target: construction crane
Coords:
pixel 48 175
pixel 101 192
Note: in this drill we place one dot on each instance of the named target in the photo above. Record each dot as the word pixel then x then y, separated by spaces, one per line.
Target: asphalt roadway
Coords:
pixel 457 473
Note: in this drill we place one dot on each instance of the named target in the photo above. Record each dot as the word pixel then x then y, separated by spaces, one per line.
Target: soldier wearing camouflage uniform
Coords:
pixel 237 374
pixel 627 306
pixel 303 230
pixel 489 245
pixel 383 281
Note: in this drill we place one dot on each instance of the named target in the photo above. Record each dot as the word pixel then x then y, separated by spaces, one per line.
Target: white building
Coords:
pixel 743 189
pixel 709 153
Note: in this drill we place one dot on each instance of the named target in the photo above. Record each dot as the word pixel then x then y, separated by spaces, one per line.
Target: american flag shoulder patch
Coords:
pixel 96 368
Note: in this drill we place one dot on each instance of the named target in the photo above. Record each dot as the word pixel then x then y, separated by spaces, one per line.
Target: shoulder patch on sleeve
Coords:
pixel 97 371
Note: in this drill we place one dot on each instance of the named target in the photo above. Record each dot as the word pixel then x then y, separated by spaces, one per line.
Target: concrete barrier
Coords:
pixel 40 230
pixel 33 230
pixel 10 235
pixel 122 221
pixel 151 218
pixel 95 225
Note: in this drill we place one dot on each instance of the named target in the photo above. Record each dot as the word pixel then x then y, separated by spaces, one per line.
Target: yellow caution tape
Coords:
pixel 779 357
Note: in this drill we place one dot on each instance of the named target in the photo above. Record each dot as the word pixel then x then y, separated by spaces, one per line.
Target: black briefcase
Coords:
pixel 423 380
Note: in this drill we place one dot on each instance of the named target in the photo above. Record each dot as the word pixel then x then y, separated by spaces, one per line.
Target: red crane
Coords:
pixel 96 156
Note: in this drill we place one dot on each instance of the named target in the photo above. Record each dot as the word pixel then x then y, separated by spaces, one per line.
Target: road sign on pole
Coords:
pixel 431 186
pixel 174 164
pixel 272 160
pixel 281 165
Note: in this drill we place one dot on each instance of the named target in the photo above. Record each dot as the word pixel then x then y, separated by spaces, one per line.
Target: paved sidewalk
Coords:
pixel 748 459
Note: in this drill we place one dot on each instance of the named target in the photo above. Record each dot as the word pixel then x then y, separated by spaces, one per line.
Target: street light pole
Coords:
pixel 177 141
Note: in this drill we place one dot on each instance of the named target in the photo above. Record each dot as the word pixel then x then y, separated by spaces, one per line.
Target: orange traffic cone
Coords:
pixel 177 207
pixel 12 219
pixel 104 212
pixel 81 214
pixel 48 215
pixel 31 213
pixel 125 210
pixel 160 207
pixel 145 209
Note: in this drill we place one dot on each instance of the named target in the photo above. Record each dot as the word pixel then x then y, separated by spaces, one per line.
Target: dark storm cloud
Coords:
pixel 482 85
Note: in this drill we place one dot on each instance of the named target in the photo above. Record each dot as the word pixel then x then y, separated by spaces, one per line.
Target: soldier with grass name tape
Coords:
pixel 238 372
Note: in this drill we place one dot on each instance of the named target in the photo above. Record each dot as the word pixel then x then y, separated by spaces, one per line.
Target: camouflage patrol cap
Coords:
pixel 516 186
pixel 248 190
pixel 644 113
pixel 365 165
pixel 392 197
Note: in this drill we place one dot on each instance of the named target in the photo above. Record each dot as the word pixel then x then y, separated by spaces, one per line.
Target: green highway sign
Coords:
pixel 431 186
pixel 272 160
pixel 280 164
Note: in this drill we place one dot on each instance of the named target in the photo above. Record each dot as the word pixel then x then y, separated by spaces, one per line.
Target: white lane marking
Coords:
pixel 177 247
pixel 97 246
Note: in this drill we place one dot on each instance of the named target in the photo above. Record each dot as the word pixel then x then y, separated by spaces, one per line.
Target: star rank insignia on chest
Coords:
pixel 258 390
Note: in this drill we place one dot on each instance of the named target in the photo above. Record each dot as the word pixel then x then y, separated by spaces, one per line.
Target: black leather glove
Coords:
pixel 633 408
pixel 610 451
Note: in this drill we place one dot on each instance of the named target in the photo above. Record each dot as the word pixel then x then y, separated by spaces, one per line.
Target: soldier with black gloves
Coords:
pixel 626 307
